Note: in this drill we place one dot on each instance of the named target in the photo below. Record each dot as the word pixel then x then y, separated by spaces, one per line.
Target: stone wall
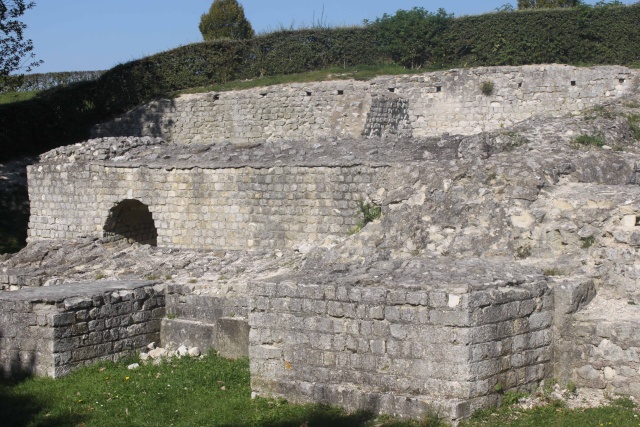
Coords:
pixel 430 104
pixel 51 330
pixel 197 207
pixel 195 317
pixel 397 348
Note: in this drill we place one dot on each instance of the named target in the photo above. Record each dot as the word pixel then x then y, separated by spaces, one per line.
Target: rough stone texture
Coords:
pixel 197 318
pixel 428 104
pixel 497 255
pixel 51 330
pixel 599 347
pixel 207 207
pixel 404 339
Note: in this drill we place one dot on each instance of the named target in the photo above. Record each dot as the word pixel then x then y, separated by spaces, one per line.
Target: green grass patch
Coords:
pixel 216 392
pixel 589 141
pixel 9 97
pixel 182 392
pixel 363 72
pixel 618 414
pixel 634 125
pixel 553 272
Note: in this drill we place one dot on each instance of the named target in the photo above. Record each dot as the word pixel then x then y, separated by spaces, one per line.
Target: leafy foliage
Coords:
pixel 13 46
pixel 225 19
pixel 43 81
pixel 414 37
pixel 547 4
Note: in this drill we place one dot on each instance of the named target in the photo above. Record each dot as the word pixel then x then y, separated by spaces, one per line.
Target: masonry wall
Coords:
pixel 438 102
pixel 51 330
pixel 398 349
pixel 235 208
pixel 196 318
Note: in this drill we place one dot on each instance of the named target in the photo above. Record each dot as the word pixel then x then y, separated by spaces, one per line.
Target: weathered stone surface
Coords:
pixel 419 105
pixel 55 329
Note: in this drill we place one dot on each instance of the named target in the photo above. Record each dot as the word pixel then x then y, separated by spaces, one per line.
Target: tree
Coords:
pixel 13 47
pixel 225 20
pixel 547 4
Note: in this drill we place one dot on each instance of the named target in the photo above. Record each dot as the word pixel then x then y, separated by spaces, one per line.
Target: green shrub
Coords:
pixel 486 88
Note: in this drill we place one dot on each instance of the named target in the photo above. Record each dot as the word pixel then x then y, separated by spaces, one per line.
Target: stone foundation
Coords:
pixel 401 346
pixel 51 330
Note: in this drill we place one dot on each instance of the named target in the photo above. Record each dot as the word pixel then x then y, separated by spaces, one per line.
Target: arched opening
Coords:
pixel 132 220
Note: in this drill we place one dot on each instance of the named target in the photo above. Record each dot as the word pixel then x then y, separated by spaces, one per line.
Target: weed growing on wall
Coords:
pixel 370 212
pixel 487 87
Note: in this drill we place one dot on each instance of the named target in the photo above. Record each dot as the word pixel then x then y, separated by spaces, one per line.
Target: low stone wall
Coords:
pixel 51 330
pixel 399 348
pixel 199 319
pixel 598 347
pixel 430 104
pixel 198 207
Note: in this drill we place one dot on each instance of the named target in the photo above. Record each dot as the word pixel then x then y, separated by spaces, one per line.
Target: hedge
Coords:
pixel 583 35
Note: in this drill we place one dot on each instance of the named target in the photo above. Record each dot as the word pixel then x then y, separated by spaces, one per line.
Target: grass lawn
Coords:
pixel 620 413
pixel 183 392
pixel 363 72
pixel 7 98
pixel 215 392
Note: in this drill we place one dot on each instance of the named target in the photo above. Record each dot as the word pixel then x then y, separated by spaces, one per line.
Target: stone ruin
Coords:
pixel 506 251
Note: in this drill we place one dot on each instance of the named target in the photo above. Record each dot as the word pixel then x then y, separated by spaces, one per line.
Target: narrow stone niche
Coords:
pixel 131 219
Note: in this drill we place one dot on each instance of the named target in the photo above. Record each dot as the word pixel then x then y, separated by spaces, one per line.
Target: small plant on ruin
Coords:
pixel 589 140
pixel 100 276
pixel 152 277
pixel 553 272
pixel 572 387
pixel 487 87
pixel 587 242
pixel 523 251
pixel 370 212
pixel 599 111
pixel 632 104
pixel 549 386
pixel 510 398
pixel 193 280
pixel 634 125
pixel 171 316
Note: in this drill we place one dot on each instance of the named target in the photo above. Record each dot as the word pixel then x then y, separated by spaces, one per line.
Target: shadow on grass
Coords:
pixel 320 415
pixel 24 409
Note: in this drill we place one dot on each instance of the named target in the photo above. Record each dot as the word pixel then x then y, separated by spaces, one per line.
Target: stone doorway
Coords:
pixel 131 219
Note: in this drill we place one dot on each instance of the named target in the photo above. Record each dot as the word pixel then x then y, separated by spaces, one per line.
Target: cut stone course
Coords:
pixel 51 330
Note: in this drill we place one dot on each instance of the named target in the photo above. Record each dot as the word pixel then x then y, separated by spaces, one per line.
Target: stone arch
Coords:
pixel 131 219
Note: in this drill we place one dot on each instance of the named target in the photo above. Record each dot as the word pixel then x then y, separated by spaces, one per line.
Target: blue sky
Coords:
pixel 74 35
